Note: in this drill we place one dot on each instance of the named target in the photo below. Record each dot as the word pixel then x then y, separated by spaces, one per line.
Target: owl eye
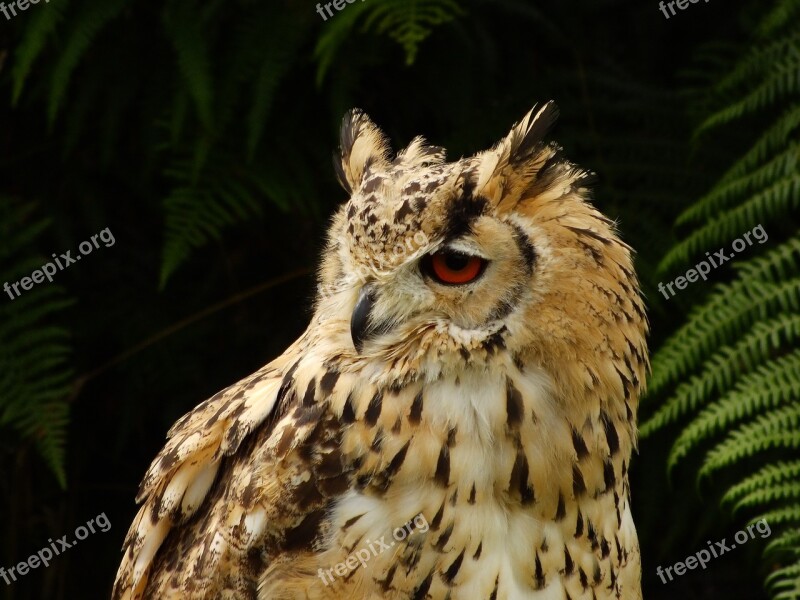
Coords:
pixel 454 268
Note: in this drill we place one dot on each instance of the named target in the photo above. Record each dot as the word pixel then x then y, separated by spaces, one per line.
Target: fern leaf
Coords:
pixel 781 81
pixel 752 66
pixel 780 428
pixel 185 30
pixel 87 24
pixel 785 12
pixel 779 264
pixel 40 27
pixel 410 22
pixel 727 194
pixel 784 492
pixel 784 584
pixel 276 61
pixel 782 197
pixel 731 310
pixel 774 139
pixel 769 387
pixel 36 378
pixel 198 212
pixel 725 367
pixel 770 475
pixel 789 515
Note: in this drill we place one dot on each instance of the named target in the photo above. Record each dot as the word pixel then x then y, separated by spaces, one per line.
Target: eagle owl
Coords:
pixel 463 403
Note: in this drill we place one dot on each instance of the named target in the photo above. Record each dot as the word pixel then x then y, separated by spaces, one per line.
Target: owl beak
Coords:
pixel 360 327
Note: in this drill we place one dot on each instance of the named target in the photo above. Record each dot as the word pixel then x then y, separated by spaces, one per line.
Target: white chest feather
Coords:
pixel 481 471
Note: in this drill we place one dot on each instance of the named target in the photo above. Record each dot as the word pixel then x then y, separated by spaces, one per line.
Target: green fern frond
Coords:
pixel 784 492
pixel 276 55
pixel 770 475
pixel 769 387
pixel 777 265
pixel 185 30
pixel 780 428
pixel 264 88
pixel 85 27
pixel 410 22
pixel 787 587
pixel 727 365
pixel 36 378
pixel 725 195
pixel 198 212
pixel 784 584
pixel 774 139
pixel 789 541
pixel 40 27
pixel 781 197
pixel 730 311
pixel 216 187
pixel 17 237
pixel 789 515
pixel 752 66
pixel 784 13
pixel 780 61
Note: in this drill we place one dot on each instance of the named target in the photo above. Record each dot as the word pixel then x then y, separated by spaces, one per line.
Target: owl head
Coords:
pixel 433 266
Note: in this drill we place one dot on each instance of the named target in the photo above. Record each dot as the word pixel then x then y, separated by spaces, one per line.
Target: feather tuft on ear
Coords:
pixel 522 162
pixel 362 144
pixel 526 137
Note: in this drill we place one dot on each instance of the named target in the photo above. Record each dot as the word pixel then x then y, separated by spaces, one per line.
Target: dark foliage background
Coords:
pixel 200 134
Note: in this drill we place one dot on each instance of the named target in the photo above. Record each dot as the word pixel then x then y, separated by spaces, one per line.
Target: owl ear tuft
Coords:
pixel 362 144
pixel 525 139
pixel 509 169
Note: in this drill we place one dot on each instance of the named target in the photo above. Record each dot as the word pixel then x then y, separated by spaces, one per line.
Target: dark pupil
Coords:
pixel 456 262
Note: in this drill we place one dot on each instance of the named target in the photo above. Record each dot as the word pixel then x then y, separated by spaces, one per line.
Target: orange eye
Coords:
pixel 455 268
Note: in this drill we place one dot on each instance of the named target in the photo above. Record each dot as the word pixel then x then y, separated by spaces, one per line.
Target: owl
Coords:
pixel 456 422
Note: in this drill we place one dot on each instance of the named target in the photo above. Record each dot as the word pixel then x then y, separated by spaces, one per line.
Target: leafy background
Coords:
pixel 200 134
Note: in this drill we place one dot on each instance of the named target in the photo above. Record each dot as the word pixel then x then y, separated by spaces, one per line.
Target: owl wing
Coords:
pixel 230 479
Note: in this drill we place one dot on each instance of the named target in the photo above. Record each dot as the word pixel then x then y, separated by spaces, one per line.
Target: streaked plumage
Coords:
pixel 501 410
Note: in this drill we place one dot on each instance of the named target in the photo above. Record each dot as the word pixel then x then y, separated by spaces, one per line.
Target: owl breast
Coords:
pixel 459 492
